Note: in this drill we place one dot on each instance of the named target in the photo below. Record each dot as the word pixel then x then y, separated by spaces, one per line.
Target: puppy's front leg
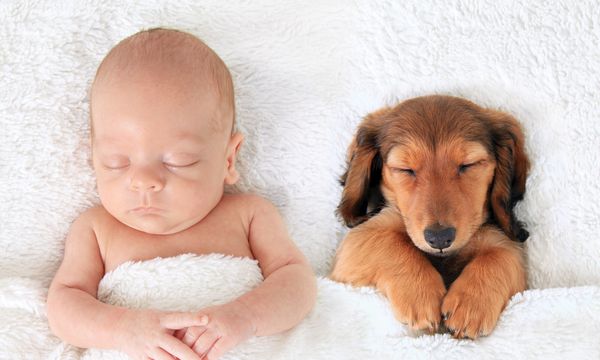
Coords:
pixel 413 286
pixel 379 252
pixel 478 296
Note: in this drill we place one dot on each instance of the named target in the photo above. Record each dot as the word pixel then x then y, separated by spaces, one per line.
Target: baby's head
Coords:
pixel 162 117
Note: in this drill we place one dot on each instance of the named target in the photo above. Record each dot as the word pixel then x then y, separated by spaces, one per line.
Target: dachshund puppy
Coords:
pixel 429 194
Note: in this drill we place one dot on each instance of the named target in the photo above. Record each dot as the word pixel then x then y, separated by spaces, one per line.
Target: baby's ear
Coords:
pixel 235 142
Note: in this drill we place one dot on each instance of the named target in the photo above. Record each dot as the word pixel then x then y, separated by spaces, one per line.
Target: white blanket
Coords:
pixel 346 323
pixel 305 73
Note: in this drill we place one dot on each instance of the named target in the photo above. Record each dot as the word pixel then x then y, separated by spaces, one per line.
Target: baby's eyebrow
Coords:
pixel 182 137
pixel 190 137
pixel 108 139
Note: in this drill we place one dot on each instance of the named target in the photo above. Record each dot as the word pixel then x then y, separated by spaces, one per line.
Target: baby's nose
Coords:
pixel 146 180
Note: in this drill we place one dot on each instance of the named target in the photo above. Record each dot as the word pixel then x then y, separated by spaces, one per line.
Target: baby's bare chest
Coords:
pixel 121 244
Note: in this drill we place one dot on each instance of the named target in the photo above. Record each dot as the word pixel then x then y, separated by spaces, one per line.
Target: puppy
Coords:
pixel 429 194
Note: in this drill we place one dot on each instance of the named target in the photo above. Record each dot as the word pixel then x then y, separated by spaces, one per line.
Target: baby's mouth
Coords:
pixel 146 210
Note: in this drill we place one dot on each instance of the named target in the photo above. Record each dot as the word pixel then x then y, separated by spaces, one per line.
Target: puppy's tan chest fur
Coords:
pixel 449 267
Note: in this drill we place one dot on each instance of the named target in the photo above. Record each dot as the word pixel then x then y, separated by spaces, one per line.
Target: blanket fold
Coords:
pixel 349 323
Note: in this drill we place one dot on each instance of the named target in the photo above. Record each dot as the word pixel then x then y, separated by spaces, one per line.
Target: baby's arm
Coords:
pixel 289 290
pixel 76 316
pixel 285 297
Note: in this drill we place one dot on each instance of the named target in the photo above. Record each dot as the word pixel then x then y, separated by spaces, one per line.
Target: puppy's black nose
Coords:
pixel 439 237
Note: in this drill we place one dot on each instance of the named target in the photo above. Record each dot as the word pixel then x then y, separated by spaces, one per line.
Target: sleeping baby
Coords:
pixel 163 147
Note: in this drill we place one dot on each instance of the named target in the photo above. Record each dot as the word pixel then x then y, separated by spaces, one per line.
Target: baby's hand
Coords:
pixel 228 325
pixel 144 334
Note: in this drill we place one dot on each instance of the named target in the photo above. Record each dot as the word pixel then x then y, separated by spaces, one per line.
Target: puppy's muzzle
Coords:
pixel 439 237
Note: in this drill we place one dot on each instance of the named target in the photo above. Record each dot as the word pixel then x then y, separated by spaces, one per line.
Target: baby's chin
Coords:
pixel 155 224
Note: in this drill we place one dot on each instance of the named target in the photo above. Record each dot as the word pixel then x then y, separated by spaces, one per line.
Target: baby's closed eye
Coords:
pixel 180 164
pixel 181 160
pixel 115 162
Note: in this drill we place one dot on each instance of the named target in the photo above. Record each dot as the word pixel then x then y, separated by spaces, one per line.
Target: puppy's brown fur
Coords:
pixel 442 161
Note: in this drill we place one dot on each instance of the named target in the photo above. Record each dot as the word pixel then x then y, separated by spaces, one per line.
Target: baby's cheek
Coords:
pixel 111 183
pixel 112 196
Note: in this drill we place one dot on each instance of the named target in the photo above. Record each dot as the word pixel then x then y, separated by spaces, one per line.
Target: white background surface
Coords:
pixel 305 73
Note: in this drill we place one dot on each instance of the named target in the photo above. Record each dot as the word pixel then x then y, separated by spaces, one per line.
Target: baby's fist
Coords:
pixel 228 325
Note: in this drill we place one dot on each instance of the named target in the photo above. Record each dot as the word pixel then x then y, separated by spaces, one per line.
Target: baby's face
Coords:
pixel 159 159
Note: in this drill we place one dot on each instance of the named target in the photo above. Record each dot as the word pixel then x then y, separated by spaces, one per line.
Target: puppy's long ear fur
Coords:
pixel 510 174
pixel 363 175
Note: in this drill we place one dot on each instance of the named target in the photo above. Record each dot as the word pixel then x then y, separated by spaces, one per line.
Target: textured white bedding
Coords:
pixel 305 73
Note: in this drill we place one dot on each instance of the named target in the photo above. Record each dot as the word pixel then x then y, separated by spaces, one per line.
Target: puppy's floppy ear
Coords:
pixel 363 175
pixel 512 166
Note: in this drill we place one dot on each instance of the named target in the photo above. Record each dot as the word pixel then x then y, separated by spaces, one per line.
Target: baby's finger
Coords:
pixel 180 320
pixel 177 348
pixel 160 354
pixel 205 342
pixel 180 333
pixel 217 350
pixel 192 334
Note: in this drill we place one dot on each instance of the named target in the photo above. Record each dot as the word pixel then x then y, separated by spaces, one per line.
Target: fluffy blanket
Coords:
pixel 305 73
pixel 346 323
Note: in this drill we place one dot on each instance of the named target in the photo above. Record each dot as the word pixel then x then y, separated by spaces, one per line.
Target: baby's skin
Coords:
pixel 163 148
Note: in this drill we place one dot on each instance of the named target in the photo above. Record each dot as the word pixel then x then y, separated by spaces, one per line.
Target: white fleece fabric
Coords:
pixel 305 74
pixel 346 323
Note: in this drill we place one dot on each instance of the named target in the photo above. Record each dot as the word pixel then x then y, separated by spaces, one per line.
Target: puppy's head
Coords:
pixel 446 164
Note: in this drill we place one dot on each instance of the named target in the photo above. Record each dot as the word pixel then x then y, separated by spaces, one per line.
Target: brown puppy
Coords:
pixel 429 191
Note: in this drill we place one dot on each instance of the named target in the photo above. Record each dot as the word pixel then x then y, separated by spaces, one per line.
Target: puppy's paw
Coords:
pixel 418 305
pixel 471 310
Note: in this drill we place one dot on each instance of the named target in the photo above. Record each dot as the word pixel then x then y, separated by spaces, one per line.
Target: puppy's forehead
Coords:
pixel 409 152
pixel 417 151
pixel 428 123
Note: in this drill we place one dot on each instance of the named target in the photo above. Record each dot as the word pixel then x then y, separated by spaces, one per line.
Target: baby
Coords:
pixel 163 147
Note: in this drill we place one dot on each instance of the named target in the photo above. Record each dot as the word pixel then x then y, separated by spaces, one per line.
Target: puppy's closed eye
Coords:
pixel 462 168
pixel 406 171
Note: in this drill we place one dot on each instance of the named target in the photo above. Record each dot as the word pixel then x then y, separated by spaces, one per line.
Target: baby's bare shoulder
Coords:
pixel 93 216
pixel 96 220
pixel 249 203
